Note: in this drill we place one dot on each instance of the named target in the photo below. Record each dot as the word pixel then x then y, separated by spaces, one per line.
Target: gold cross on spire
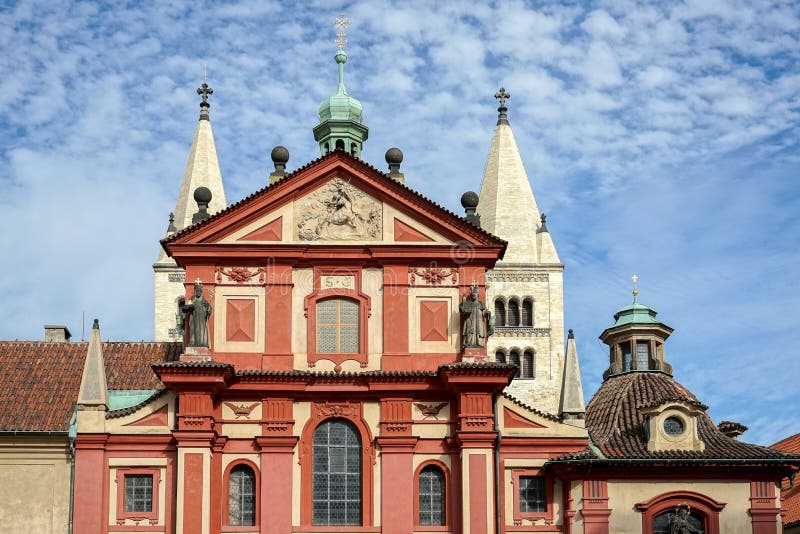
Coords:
pixel 635 289
pixel 340 23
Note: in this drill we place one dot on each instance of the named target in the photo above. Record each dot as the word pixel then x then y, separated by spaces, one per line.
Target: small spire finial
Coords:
pixel 502 95
pixel 204 91
pixel 635 288
pixel 340 23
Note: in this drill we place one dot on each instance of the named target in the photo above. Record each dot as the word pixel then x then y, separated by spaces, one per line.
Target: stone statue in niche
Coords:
pixel 200 310
pixel 475 331
pixel 338 212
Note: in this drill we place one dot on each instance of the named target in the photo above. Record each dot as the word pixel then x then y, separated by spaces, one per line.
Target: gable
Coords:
pixel 335 200
pixel 519 420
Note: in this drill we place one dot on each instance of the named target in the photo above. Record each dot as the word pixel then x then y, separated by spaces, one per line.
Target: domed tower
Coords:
pixel 340 115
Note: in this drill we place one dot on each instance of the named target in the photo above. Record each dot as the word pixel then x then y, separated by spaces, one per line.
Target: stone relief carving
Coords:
pixel 432 276
pixel 338 212
pixel 521 331
pixel 517 277
pixel 240 275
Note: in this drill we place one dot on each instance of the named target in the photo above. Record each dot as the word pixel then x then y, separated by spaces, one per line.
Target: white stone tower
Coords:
pixel 202 169
pixel 525 289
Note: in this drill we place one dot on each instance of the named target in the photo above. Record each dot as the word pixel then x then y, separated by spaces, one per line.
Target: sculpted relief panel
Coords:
pixel 338 212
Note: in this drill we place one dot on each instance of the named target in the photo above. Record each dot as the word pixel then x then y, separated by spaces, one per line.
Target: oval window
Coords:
pixel 673 426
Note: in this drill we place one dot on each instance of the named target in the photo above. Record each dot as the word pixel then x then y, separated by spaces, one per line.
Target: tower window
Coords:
pixel 513 358
pixel 527 364
pixel 527 312
pixel 642 355
pixel 499 313
pixel 500 356
pixel 339 144
pixel 513 313
pixel 625 348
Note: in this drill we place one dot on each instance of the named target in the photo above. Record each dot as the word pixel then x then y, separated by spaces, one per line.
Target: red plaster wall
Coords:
pixel 477 494
pixel 193 492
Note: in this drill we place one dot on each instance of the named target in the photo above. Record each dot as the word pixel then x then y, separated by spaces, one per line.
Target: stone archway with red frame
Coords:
pixel 704 505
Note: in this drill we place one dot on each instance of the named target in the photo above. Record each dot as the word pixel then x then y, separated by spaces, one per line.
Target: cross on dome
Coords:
pixel 340 23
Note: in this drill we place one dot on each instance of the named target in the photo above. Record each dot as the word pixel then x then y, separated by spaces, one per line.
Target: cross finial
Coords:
pixel 635 289
pixel 502 95
pixel 340 23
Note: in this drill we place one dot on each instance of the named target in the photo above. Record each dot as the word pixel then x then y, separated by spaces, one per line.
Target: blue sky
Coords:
pixel 660 138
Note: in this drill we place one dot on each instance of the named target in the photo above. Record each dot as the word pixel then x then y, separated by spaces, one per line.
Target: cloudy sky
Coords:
pixel 660 138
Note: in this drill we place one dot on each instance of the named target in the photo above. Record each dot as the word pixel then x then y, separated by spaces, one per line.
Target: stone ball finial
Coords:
pixel 202 195
pixel 279 155
pixel 394 156
pixel 469 200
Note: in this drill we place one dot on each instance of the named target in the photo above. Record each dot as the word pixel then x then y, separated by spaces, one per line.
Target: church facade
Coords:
pixel 337 353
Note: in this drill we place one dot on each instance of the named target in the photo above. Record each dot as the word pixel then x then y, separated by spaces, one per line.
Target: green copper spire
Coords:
pixel 340 115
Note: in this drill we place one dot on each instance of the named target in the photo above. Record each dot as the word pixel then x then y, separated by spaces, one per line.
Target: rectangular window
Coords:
pixel 532 494
pixel 626 356
pixel 138 493
pixel 642 355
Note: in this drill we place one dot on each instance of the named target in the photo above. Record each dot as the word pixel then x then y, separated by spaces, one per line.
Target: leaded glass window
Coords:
pixel 532 495
pixel 626 356
pixel 513 313
pixel 500 356
pixel 527 312
pixel 663 523
pixel 138 493
pixel 336 486
pixel 337 326
pixel 642 355
pixel 431 496
pixel 499 313
pixel 527 364
pixel 242 496
pixel 513 358
pixel 673 426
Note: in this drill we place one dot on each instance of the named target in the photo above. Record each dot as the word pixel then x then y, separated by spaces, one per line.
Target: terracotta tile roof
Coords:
pixel 39 381
pixel 790 492
pixel 365 167
pixel 615 422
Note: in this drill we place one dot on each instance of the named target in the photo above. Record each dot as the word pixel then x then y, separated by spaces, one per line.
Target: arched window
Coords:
pixel 527 364
pixel 527 312
pixel 499 313
pixel 500 356
pixel 339 144
pixel 513 313
pixel 336 480
pixel 680 511
pixel 242 496
pixel 337 326
pixel 431 482
pixel 353 149
pixel 327 147
pixel 513 358
pixel 664 522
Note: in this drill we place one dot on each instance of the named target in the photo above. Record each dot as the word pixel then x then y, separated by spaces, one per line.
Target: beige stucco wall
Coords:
pixel 34 485
pixel 624 494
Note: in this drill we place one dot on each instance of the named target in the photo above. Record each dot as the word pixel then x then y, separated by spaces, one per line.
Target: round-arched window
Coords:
pixel 673 426
pixel 336 486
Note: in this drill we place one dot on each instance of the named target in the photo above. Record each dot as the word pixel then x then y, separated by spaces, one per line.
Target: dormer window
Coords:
pixel 674 427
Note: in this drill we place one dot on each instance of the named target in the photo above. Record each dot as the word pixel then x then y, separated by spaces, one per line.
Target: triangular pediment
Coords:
pixel 336 200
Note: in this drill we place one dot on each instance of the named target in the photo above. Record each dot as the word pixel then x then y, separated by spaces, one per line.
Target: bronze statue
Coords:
pixel 474 331
pixel 680 523
pixel 200 310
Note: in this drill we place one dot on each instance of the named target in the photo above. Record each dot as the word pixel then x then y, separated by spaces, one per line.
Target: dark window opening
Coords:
pixel 513 313
pixel 527 364
pixel 499 313
pixel 514 359
pixel 527 312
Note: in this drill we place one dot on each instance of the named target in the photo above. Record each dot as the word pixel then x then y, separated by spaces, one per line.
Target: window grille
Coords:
pixel 242 496
pixel 513 313
pixel 642 355
pixel 499 313
pixel 338 326
pixel 500 356
pixel 513 358
pixel 527 364
pixel 662 524
pixel 138 493
pixel 336 485
pixel 527 312
pixel 431 496
pixel 532 494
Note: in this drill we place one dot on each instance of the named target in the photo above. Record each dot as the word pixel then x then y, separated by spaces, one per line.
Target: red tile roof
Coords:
pixel 789 492
pixel 39 381
pixel 615 422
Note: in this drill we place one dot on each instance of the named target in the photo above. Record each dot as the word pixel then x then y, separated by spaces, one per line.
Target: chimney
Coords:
pixel 56 333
